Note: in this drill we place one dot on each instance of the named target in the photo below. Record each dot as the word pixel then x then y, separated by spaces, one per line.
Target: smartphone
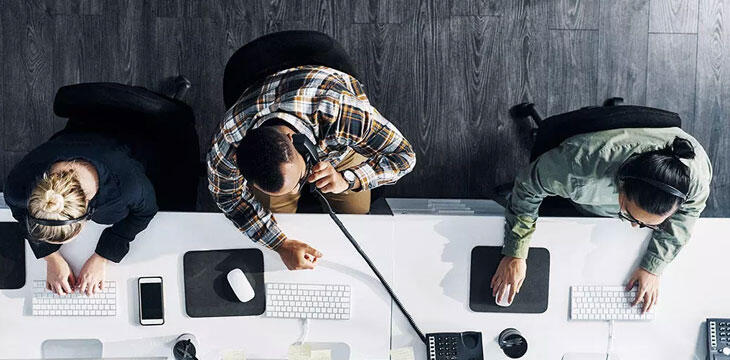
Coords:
pixel 151 301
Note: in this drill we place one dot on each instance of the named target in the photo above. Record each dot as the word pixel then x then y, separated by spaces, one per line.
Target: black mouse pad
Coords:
pixel 207 293
pixel 12 256
pixel 533 296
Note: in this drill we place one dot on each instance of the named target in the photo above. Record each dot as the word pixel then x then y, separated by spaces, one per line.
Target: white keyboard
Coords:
pixel 46 303
pixel 605 303
pixel 308 301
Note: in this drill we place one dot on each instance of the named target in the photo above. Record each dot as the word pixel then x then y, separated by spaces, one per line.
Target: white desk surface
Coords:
pixel 158 251
pixel 432 259
pixel 432 254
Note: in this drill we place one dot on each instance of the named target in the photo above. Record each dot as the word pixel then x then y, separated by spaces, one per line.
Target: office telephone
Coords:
pixel 441 346
pixel 455 346
pixel 718 339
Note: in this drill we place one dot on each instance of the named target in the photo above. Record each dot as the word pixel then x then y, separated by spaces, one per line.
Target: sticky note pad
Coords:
pixel 321 355
pixel 405 353
pixel 300 352
pixel 234 355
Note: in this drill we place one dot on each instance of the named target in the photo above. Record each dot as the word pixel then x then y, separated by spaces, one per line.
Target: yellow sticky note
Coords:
pixel 234 355
pixel 300 352
pixel 405 353
pixel 321 355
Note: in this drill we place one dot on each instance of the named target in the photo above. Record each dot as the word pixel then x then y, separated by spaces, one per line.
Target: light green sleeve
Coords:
pixel 665 245
pixel 551 174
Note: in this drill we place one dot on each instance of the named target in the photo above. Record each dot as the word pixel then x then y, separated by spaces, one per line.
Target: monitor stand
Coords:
pixel 72 349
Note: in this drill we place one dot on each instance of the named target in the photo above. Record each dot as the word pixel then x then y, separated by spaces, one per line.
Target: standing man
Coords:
pixel 254 169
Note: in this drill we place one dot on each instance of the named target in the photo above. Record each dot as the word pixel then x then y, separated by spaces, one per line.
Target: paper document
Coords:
pixel 405 353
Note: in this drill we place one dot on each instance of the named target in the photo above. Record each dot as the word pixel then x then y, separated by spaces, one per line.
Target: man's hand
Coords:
pixel 297 255
pixel 511 271
pixel 91 277
pixel 648 290
pixel 59 277
pixel 327 179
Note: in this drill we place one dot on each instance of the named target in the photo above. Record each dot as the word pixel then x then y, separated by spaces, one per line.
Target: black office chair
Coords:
pixel 250 65
pixel 159 130
pixel 552 131
pixel 275 52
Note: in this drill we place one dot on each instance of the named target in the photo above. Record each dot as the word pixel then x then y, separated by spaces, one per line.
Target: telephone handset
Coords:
pixel 305 148
pixel 441 346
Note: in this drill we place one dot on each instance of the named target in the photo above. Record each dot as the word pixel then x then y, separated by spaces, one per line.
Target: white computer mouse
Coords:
pixel 240 285
pixel 503 298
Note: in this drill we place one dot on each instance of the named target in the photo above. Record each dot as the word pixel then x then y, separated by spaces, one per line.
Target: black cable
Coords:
pixel 326 206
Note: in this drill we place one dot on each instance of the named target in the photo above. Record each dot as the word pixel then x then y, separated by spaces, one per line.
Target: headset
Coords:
pixel 659 185
pixel 31 222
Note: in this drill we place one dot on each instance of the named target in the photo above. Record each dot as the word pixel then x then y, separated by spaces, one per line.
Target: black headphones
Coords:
pixel 31 222
pixel 659 185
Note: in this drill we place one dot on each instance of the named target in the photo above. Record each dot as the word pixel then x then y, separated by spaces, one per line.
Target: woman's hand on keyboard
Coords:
pixel 91 277
pixel 648 290
pixel 511 271
pixel 59 277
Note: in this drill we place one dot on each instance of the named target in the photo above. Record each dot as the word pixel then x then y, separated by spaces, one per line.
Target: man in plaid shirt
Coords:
pixel 254 169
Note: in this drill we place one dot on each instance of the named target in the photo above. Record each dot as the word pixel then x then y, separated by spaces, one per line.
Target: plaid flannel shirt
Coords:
pixel 332 110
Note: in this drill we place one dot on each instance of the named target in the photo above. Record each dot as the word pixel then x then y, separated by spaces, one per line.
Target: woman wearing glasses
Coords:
pixel 105 167
pixel 657 178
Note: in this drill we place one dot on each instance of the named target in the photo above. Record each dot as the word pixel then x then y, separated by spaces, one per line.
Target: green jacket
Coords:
pixel 583 169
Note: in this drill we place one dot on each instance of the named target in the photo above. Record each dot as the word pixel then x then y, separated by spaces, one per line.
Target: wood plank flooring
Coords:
pixel 444 71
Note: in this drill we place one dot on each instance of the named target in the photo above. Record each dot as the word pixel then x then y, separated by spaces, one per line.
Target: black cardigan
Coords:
pixel 125 197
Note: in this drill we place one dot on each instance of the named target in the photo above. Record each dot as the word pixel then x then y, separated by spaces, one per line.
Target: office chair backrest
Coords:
pixel 275 52
pixel 556 129
pixel 105 98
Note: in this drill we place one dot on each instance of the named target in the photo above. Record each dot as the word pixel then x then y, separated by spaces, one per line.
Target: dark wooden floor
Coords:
pixel 444 71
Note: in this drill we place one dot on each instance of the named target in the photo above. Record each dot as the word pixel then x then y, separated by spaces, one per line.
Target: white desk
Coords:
pixel 432 254
pixel 159 251
pixel 431 272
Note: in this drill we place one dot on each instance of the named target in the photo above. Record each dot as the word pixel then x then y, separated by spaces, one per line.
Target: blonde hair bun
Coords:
pixel 53 202
pixel 57 196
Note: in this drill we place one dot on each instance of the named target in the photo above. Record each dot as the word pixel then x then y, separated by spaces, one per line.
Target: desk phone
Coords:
pixel 455 346
pixel 718 339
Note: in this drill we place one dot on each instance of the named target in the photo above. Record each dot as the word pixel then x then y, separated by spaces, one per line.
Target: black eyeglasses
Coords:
pixel 632 220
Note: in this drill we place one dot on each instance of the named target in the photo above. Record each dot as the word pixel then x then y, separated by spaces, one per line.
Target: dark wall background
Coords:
pixel 444 71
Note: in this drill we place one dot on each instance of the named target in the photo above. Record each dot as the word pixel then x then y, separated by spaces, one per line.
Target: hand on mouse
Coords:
pixel 648 290
pixel 511 271
pixel 59 277
pixel 91 277
pixel 297 255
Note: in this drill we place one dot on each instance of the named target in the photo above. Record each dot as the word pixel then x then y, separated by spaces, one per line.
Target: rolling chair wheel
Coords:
pixel 526 110
pixel 522 110
pixel 614 101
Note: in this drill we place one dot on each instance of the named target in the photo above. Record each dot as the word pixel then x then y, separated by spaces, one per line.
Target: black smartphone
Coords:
pixel 151 301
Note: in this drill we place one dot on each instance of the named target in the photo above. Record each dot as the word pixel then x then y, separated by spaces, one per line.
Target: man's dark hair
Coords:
pixel 658 167
pixel 260 154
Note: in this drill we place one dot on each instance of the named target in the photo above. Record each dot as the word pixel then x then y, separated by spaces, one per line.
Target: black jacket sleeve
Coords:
pixel 114 242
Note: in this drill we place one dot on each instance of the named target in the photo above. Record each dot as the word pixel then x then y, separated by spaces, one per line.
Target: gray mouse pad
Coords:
pixel 533 296
pixel 207 292
pixel 12 256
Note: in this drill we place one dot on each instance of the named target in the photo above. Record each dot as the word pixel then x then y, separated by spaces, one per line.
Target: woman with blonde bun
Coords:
pixel 96 170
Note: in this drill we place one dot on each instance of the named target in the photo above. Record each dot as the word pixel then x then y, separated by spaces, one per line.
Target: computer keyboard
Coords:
pixel 308 301
pixel 605 303
pixel 47 303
